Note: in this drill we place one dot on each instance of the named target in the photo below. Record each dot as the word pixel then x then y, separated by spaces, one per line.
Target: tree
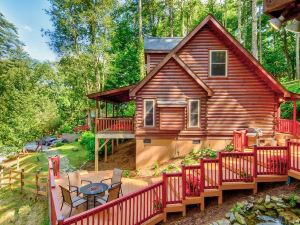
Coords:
pixel 254 29
pixel 141 40
pixel 9 40
pixel 239 13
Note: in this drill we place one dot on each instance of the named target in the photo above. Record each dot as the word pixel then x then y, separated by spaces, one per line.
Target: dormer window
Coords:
pixel 218 63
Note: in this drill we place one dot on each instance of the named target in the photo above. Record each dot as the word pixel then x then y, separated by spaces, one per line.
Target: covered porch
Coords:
pixel 288 126
pixel 113 120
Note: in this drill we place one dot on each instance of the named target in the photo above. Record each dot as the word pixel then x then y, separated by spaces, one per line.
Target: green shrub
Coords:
pixel 59 144
pixel 8 151
pixel 66 128
pixel 126 173
pixel 229 148
pixel 195 155
pixel 87 140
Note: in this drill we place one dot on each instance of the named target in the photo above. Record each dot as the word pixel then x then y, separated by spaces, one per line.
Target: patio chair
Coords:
pixel 115 179
pixel 75 180
pixel 72 202
pixel 113 193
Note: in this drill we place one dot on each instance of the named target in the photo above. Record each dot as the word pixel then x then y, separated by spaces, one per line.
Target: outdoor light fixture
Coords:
pixel 276 23
pixel 294 26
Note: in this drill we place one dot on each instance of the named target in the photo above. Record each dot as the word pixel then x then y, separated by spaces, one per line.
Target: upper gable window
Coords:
pixel 218 63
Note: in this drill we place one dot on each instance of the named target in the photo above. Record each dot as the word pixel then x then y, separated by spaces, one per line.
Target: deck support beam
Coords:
pixel 105 150
pixel 96 154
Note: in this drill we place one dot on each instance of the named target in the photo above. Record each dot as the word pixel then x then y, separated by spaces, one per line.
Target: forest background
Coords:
pixel 99 44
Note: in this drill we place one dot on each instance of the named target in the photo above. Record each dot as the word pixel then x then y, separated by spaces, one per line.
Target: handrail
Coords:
pixel 148 202
pixel 115 124
pixel 109 205
pixel 55 216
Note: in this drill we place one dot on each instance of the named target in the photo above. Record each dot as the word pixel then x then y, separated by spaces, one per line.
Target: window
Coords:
pixel 149 113
pixel 194 109
pixel 218 63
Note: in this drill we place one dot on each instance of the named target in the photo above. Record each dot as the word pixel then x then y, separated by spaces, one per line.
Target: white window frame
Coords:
pixel 189 111
pixel 210 63
pixel 153 101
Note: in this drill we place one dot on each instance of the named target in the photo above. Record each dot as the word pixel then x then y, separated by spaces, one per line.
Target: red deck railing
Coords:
pixel 271 160
pixel 115 124
pixel 240 141
pixel 143 205
pixel 191 181
pixel 134 208
pixel 172 188
pixel 236 167
pixel 54 211
pixel 285 126
pixel 210 173
pixel 294 156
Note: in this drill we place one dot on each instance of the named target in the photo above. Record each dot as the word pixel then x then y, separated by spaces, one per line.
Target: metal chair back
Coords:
pixel 117 176
pixel 114 191
pixel 66 195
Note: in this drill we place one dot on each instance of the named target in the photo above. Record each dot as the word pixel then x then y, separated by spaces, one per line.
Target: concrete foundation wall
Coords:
pixel 162 150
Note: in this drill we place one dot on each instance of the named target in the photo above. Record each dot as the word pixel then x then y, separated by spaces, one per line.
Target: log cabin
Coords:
pixel 198 90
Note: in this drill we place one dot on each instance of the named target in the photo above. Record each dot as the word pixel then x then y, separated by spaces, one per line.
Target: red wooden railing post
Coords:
pixel 220 168
pixel 184 187
pixel 202 175
pixel 56 166
pixel 288 145
pixel 255 161
pixel 164 190
pixel 295 118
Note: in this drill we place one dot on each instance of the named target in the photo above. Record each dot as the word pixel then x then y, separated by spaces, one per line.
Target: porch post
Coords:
pixel 105 108
pixel 97 115
pixel 105 150
pixel 96 153
pixel 295 117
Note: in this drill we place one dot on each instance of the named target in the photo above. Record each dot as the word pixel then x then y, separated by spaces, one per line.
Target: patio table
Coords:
pixel 90 190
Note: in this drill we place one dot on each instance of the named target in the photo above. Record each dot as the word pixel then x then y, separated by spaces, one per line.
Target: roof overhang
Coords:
pixel 117 95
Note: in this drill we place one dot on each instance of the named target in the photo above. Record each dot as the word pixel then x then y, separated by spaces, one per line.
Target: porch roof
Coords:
pixel 117 95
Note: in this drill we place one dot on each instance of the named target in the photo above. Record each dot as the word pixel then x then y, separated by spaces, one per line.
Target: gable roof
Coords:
pixel 228 39
pixel 160 44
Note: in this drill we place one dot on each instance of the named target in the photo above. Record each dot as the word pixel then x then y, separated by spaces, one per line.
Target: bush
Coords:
pixel 66 128
pixel 195 155
pixel 59 144
pixel 87 140
pixel 8 151
pixel 229 148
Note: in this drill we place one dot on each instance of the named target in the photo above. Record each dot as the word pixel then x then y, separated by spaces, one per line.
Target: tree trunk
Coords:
pixel 225 14
pixel 182 17
pixel 260 34
pixel 141 42
pixel 171 17
pixel 254 29
pixel 239 31
pixel 297 56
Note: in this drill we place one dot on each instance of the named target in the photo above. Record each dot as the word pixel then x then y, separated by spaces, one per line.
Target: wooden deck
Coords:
pixel 128 186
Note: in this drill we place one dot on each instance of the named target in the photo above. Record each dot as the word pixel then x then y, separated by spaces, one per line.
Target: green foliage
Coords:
pixel 87 140
pixel 155 169
pixel 195 155
pixel 292 200
pixel 229 148
pixel 126 173
pixel 8 151
pixel 59 144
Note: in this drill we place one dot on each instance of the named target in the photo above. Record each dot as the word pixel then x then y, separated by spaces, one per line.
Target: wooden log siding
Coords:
pixel 239 99
pixel 171 82
pixel 155 59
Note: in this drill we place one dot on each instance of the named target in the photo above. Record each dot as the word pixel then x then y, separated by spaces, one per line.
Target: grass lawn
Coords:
pixel 75 153
pixel 22 208
pixel 26 208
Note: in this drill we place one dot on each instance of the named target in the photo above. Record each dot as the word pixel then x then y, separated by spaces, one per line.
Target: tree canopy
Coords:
pixel 100 47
